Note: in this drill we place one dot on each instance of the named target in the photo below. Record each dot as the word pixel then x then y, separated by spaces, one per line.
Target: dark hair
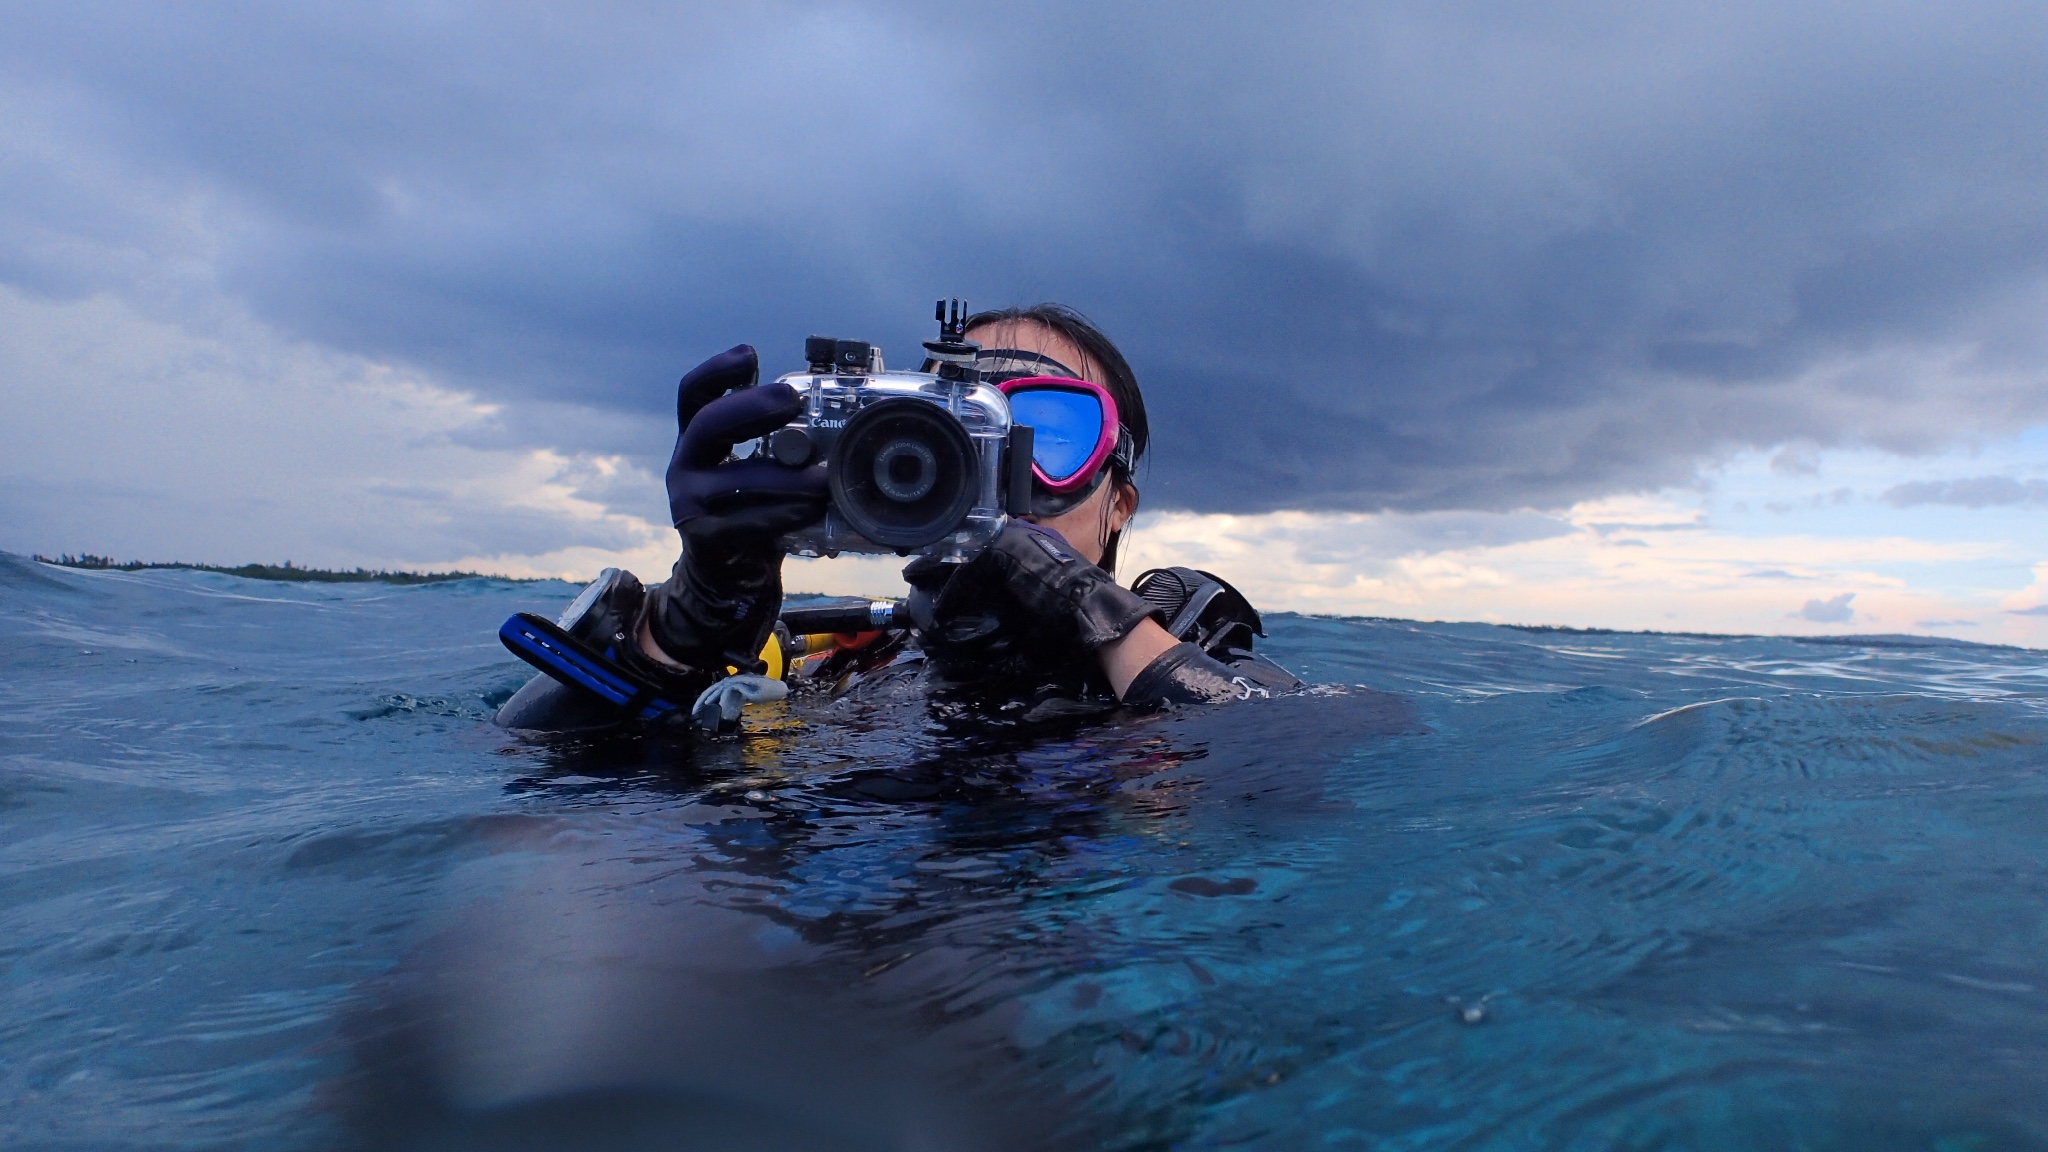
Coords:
pixel 1121 381
pixel 1083 334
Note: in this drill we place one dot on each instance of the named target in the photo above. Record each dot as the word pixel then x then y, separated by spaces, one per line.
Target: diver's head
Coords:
pixel 1054 340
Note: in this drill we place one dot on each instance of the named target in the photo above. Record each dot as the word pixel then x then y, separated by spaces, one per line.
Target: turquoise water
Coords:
pixel 270 879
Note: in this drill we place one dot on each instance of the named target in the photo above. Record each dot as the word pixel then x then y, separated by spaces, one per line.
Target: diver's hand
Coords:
pixel 1076 600
pixel 717 607
pixel 728 507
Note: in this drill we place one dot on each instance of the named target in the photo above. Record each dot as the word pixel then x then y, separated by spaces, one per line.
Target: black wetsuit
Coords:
pixel 966 643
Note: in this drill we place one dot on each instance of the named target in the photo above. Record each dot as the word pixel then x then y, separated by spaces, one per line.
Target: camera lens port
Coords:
pixel 903 473
pixel 905 470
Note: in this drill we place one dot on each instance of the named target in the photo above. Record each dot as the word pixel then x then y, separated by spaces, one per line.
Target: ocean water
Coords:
pixel 269 878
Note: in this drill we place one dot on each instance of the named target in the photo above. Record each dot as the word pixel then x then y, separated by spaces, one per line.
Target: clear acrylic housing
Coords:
pixel 830 400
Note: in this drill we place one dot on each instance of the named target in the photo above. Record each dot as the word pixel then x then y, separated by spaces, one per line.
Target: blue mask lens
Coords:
pixel 1066 426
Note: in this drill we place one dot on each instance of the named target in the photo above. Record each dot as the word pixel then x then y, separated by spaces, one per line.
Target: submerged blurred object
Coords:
pixel 567 1015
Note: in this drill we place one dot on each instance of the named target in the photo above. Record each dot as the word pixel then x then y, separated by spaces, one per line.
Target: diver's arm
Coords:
pixel 1184 674
pixel 1065 598
pixel 1217 663
pixel 652 650
pixel 1123 660
pixel 711 620
pixel 1074 600
pixel 716 608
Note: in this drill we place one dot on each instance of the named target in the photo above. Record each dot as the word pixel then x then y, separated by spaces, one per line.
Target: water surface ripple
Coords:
pixel 270 879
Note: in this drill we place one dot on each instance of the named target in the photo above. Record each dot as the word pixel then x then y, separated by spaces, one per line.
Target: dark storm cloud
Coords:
pixel 1414 256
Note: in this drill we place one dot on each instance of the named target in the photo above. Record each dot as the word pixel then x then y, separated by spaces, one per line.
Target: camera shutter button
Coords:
pixel 791 446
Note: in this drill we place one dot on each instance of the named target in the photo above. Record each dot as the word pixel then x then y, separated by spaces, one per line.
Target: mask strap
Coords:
pixel 1000 364
pixel 1023 357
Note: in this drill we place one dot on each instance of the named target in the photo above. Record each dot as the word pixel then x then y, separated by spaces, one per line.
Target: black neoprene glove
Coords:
pixel 1068 600
pixel 719 604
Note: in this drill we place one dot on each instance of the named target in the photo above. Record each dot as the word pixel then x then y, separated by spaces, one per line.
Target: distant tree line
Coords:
pixel 284 571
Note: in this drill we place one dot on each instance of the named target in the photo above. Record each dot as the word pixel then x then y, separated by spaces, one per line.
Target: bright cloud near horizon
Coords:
pixel 1636 316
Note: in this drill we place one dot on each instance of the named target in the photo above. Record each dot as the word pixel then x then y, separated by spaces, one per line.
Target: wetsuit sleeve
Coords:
pixel 1184 674
pixel 712 620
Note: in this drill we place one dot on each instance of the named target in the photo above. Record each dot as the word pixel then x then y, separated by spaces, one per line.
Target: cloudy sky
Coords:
pixel 1720 317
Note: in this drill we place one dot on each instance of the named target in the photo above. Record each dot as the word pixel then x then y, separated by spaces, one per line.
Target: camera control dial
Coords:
pixel 791 447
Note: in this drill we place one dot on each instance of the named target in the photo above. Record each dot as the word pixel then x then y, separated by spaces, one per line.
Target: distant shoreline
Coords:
pixel 290 572
pixel 286 571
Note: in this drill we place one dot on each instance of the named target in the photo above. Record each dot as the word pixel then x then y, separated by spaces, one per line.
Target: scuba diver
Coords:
pixel 1033 625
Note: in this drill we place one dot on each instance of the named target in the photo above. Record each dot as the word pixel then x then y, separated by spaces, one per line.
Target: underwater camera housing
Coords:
pixel 916 462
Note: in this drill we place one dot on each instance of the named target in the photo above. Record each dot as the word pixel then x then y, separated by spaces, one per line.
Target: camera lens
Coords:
pixel 903 473
pixel 905 470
